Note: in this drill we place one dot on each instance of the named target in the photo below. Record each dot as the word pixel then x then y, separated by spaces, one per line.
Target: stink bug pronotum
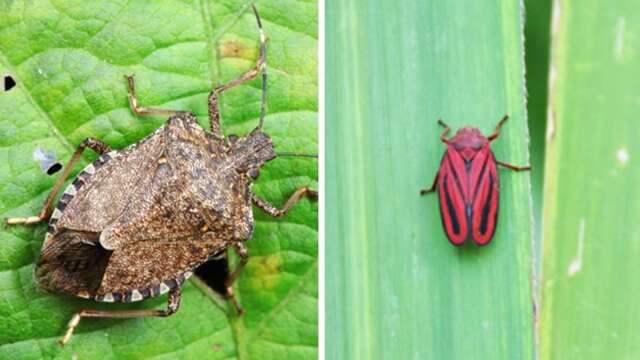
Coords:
pixel 135 223
pixel 468 186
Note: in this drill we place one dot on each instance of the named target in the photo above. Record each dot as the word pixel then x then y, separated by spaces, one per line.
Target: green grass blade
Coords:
pixel 395 287
pixel 592 203
pixel 537 24
pixel 537 43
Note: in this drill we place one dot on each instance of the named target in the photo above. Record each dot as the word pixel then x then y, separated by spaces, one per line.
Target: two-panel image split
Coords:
pixel 323 179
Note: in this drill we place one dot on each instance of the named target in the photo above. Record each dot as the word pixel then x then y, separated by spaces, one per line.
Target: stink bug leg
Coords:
pixel 243 253
pixel 95 145
pixel 140 110
pixel 293 199
pixel 261 66
pixel 240 248
pixel 172 307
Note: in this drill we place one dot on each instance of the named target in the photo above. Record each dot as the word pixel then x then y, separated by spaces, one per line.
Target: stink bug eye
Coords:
pixel 468 186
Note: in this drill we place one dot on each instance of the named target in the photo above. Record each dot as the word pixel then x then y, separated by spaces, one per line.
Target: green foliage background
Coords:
pixel 69 58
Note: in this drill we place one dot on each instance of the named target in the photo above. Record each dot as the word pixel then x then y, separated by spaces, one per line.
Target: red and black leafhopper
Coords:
pixel 468 185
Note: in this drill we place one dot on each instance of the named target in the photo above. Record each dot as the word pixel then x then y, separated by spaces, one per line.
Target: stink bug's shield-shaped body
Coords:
pixel 174 199
pixel 468 185
pixel 137 222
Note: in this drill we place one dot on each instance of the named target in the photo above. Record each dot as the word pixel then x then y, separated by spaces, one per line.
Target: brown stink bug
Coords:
pixel 135 223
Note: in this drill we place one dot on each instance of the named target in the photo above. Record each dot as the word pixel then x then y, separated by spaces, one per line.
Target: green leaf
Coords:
pixel 68 59
pixel 537 24
pixel 396 288
pixel 591 206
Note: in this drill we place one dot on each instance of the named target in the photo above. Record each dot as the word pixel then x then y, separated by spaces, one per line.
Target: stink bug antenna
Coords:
pixel 263 67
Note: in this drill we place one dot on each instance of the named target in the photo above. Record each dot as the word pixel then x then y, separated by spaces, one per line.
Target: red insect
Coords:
pixel 468 185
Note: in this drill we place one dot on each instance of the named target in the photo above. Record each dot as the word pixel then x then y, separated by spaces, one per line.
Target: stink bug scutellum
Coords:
pixel 468 186
pixel 138 221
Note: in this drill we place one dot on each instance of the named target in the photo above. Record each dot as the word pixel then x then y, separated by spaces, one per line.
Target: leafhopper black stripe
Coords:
pixel 456 176
pixel 450 208
pixel 484 168
pixel 484 221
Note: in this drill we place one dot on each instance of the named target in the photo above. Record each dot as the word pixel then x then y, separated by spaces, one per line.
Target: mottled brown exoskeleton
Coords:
pixel 135 223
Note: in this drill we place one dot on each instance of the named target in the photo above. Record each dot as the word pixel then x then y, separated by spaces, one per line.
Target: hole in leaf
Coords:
pixel 54 168
pixel 214 273
pixel 9 82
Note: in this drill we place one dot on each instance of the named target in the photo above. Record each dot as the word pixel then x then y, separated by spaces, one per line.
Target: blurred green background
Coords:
pixel 558 281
